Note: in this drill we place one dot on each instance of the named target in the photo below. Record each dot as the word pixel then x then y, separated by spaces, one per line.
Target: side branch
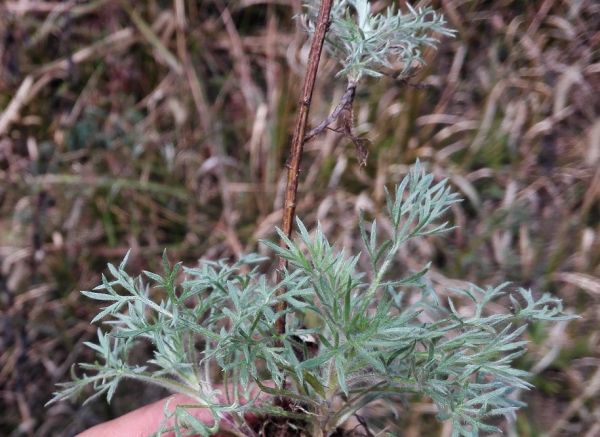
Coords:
pixel 345 103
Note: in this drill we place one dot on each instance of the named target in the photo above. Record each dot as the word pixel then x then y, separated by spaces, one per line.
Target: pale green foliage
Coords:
pixel 364 42
pixel 373 344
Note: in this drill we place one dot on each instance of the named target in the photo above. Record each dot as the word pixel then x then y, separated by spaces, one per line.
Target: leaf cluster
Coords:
pixel 364 42
pixel 373 344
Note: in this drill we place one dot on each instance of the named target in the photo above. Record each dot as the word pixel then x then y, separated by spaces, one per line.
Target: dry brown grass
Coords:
pixel 166 124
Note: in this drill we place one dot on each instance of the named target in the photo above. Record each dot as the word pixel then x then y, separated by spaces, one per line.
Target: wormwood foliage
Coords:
pixel 373 343
pixel 364 42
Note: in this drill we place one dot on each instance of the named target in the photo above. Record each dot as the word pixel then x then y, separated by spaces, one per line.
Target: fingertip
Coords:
pixel 146 420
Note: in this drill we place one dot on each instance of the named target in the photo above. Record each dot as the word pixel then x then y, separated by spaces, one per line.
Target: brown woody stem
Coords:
pixel 289 206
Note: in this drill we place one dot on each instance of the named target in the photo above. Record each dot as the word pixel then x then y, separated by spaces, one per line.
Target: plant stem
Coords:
pixel 291 189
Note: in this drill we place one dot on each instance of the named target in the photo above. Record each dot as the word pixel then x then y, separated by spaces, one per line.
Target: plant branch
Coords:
pixel 345 103
pixel 289 206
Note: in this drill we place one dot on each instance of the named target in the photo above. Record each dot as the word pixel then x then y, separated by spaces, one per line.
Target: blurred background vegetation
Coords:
pixel 166 123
